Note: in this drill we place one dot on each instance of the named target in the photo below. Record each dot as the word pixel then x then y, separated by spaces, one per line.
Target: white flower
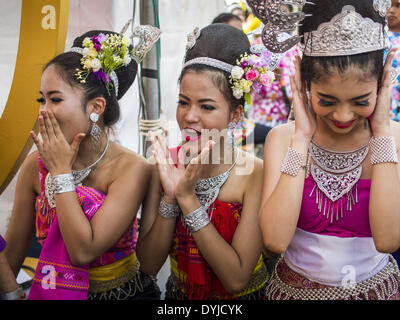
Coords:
pixel 117 59
pixel 237 93
pixel 85 52
pixel 127 60
pixel 126 41
pixel 86 42
pixel 95 65
pixel 237 72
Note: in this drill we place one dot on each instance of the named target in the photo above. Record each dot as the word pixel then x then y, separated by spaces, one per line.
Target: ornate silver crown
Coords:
pixel 381 6
pixel 148 36
pixel 348 33
pixel 276 21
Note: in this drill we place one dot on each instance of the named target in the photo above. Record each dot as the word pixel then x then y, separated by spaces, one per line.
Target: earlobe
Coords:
pixel 236 115
pixel 97 105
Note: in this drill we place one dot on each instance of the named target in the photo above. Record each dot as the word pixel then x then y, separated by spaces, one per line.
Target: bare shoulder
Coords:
pixel 29 172
pixel 248 165
pixel 125 162
pixel 125 157
pixel 281 135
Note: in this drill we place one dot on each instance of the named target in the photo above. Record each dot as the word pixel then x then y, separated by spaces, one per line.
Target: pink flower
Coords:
pixel 251 75
pixel 264 79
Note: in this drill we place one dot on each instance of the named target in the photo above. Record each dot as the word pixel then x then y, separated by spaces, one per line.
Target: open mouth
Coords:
pixel 190 134
pixel 343 125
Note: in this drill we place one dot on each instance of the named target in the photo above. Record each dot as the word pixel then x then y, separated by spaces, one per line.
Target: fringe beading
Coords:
pixel 383 285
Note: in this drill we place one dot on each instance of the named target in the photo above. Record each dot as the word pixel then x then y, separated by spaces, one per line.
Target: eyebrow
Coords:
pixel 50 92
pixel 201 100
pixel 327 96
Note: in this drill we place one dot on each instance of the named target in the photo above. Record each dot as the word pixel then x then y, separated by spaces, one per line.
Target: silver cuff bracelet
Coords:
pixel 64 183
pixel 196 220
pixel 168 210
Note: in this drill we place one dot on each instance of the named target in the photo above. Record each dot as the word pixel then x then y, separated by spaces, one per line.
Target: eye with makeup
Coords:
pixel 182 103
pixel 364 103
pixel 208 107
pixel 53 100
pixel 325 103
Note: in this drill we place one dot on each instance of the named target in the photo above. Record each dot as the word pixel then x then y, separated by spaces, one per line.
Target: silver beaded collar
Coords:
pixel 335 174
pixel 79 176
pixel 207 189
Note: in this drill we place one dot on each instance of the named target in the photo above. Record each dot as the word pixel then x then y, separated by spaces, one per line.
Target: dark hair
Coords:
pixel 225 17
pixel 224 43
pixel 68 62
pixel 313 68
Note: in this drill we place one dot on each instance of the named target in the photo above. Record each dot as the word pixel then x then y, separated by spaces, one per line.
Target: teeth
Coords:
pixel 191 133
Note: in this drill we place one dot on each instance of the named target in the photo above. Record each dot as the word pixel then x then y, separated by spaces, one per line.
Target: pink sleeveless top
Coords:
pixel 354 223
pixel 89 198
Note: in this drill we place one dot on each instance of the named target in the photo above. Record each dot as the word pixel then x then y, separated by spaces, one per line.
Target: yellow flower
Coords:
pixel 246 85
pixel 92 53
pixel 88 63
pixel 126 41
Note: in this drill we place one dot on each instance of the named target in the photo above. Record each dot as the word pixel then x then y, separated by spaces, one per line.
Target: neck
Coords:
pixel 329 139
pixel 395 28
pixel 89 152
pixel 220 160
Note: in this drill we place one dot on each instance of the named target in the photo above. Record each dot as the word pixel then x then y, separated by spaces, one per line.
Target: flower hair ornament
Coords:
pixel 251 72
pixel 105 53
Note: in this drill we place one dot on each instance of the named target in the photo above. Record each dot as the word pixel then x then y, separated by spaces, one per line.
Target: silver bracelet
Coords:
pixel 64 183
pixel 168 210
pixel 383 150
pixel 18 294
pixel 196 220
pixel 293 162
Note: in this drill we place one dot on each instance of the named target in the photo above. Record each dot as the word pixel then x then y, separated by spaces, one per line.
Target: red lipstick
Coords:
pixel 341 125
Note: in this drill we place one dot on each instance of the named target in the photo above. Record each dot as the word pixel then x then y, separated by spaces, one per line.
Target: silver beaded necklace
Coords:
pixel 79 176
pixel 335 174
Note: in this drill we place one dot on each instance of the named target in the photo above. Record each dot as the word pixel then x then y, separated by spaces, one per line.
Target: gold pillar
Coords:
pixel 42 36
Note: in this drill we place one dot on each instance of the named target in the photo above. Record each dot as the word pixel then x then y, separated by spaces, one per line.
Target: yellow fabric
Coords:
pixel 113 270
pixel 252 23
pixel 174 270
pixel 30 262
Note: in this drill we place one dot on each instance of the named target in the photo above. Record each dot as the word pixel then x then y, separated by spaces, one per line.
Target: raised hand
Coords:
pixel 380 119
pixel 57 154
pixel 305 121
pixel 170 174
pixel 193 171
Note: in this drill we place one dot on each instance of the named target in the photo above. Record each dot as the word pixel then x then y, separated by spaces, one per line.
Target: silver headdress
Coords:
pixel 276 21
pixel 348 33
pixel 148 35
pixel 381 6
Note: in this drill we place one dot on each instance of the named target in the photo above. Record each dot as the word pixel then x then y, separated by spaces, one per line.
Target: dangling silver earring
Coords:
pixel 230 133
pixel 96 130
